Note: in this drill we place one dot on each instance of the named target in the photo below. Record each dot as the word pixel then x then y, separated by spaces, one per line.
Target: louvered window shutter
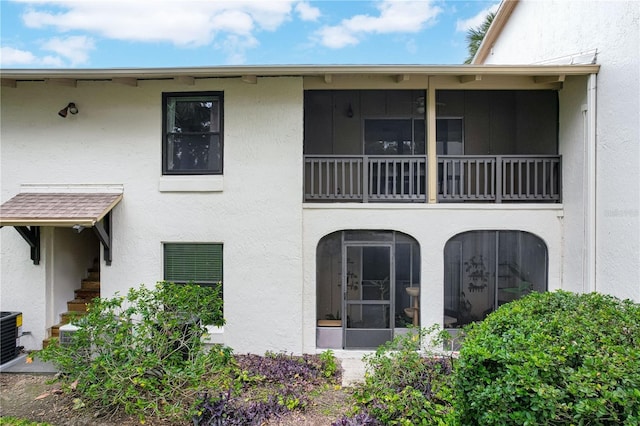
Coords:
pixel 200 263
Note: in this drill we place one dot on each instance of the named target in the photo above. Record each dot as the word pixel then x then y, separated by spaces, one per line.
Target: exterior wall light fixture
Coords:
pixel 349 111
pixel 71 108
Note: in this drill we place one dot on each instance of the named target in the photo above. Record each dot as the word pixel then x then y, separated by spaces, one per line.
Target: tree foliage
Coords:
pixel 476 35
pixel 405 385
pixel 143 352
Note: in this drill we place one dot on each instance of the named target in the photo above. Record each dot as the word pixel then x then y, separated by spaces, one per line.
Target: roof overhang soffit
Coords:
pixel 102 229
pixel 395 75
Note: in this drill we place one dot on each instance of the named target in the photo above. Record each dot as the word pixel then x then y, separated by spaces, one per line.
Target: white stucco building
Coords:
pixel 317 194
pixel 603 214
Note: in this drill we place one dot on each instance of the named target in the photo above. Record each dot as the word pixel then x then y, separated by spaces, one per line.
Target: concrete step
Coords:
pixel 93 275
pixel 90 285
pixel 86 294
pixel 67 317
pixel 353 370
pixel 54 331
pixel 78 305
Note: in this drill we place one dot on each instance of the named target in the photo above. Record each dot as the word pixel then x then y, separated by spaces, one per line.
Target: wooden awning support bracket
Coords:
pixel 32 237
pixel 103 231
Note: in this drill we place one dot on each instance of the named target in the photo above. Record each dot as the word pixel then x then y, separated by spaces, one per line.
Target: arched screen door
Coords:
pixel 368 283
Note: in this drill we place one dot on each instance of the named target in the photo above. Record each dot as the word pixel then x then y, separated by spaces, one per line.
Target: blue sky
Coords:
pixel 184 33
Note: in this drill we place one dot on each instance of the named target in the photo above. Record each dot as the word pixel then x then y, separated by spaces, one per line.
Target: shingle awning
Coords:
pixel 57 209
pixel 31 209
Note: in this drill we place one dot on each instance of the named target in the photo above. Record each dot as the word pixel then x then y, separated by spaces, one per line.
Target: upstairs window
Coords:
pixel 192 137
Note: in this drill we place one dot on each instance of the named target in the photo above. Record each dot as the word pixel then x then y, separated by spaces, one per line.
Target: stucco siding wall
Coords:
pixel 432 226
pixel 23 286
pixel 540 31
pixel 116 138
pixel 572 147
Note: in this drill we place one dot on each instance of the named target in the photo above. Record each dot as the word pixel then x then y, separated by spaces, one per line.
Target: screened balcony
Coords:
pixel 491 146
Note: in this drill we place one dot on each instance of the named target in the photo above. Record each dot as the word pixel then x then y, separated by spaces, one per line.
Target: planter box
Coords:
pixel 329 337
pixel 329 323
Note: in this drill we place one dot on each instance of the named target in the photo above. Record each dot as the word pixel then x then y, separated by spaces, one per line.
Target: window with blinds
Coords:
pixel 194 262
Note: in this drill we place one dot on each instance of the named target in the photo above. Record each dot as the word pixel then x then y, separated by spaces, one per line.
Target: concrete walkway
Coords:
pixel 353 368
pixel 20 365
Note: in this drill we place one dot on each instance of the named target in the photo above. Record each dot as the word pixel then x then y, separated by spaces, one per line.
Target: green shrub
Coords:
pixel 329 364
pixel 552 358
pixel 144 352
pixel 406 386
pixel 13 421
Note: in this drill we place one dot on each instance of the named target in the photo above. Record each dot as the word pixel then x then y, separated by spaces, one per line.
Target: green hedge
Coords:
pixel 552 358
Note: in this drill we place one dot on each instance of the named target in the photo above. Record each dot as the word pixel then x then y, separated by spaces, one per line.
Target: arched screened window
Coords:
pixel 486 269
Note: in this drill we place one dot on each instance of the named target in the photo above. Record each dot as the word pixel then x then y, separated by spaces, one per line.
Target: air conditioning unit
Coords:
pixel 10 331
pixel 66 333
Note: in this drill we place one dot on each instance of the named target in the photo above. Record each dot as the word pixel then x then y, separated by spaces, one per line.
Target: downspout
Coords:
pixel 591 183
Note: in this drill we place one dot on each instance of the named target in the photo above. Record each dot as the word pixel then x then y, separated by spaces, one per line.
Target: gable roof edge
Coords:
pixel 499 21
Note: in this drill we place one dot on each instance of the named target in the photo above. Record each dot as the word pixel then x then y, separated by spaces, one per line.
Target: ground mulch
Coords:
pixel 36 398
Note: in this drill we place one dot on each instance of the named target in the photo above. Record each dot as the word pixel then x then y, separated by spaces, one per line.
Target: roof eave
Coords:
pixel 62 223
pixel 291 70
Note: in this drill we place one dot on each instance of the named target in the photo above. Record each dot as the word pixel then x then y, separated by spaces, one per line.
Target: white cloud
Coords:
pixel 75 48
pixel 337 37
pixel 52 61
pixel 307 12
pixel 12 56
pixel 236 46
pixel 179 22
pixel 395 16
pixel 65 51
pixel 224 24
pixel 463 25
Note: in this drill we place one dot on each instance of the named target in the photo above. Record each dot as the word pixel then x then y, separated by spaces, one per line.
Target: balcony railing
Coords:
pixel 499 178
pixel 365 178
pixel 402 178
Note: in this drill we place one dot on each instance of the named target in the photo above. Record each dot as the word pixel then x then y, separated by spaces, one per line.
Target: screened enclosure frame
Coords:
pixel 485 269
pixel 361 275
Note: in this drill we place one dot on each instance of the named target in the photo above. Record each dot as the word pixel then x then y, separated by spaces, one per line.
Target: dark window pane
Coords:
pixel 449 136
pixel 388 137
pixel 193 152
pixel 190 116
pixel 193 142
pixel 419 137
